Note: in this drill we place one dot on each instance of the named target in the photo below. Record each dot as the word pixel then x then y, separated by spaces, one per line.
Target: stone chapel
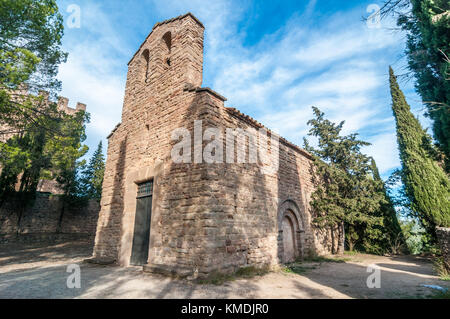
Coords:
pixel 198 217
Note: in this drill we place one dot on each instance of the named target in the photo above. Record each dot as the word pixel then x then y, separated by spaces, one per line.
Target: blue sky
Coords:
pixel 272 60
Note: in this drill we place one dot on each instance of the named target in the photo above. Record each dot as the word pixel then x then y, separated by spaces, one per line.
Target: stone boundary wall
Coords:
pixel 443 235
pixel 40 220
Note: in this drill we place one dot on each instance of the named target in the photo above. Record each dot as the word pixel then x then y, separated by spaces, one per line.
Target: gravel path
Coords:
pixel 36 271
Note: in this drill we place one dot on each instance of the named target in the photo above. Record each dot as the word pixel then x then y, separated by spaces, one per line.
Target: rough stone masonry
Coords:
pixel 203 217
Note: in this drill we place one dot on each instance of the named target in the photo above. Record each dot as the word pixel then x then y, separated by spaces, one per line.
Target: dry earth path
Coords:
pixel 40 271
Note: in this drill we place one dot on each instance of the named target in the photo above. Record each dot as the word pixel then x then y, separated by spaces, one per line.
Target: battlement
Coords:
pixel 62 102
pixel 63 105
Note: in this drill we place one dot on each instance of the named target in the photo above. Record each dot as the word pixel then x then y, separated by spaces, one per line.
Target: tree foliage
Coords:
pixel 427 187
pixel 92 175
pixel 30 53
pixel 65 150
pixel 346 191
pixel 38 153
pixel 36 139
pixel 393 238
pixel 427 24
pixel 428 51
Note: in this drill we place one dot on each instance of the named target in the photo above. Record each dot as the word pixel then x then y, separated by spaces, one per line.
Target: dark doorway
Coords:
pixel 288 240
pixel 141 237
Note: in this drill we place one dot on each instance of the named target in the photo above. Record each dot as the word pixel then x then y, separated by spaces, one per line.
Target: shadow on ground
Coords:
pixel 39 271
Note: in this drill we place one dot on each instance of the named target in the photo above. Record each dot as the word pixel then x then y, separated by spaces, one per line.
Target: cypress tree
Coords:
pixel 428 49
pixel 93 174
pixel 391 226
pixel 426 184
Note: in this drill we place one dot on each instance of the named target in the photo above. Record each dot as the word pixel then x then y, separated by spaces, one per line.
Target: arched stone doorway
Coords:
pixel 289 242
pixel 290 226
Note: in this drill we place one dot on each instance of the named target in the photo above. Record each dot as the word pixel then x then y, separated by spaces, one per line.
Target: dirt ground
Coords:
pixel 40 271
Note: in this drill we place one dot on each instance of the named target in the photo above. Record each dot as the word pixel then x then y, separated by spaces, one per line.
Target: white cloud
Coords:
pixel 384 150
pixel 336 64
pixel 95 71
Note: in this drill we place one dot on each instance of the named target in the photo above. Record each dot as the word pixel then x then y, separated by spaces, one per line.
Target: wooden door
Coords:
pixel 141 237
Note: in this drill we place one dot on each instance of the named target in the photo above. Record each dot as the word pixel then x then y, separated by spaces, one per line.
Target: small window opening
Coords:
pixel 167 47
pixel 146 56
pixel 167 37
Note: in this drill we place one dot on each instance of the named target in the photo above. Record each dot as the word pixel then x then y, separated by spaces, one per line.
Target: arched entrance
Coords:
pixel 290 227
pixel 289 241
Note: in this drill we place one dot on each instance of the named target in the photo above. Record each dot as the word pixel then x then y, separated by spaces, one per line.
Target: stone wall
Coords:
pixel 443 235
pixel 42 218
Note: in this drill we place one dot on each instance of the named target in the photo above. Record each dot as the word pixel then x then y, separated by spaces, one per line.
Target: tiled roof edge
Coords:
pixel 252 121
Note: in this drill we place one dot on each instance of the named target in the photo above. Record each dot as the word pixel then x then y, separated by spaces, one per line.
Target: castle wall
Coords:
pixel 42 216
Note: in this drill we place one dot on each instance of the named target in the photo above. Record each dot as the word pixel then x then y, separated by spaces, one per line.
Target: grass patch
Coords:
pixel 323 259
pixel 351 253
pixel 439 267
pixel 295 269
pixel 218 278
pixel 441 295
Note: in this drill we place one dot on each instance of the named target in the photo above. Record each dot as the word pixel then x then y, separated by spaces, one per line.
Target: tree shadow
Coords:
pixel 397 280
pixel 23 253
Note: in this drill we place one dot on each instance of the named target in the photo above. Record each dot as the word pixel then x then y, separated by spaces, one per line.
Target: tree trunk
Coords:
pixel 19 218
pixel 350 245
pixel 341 239
pixel 332 240
pixel 61 216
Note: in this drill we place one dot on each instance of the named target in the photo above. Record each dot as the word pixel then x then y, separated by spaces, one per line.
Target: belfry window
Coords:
pixel 167 37
pixel 146 61
pixel 167 47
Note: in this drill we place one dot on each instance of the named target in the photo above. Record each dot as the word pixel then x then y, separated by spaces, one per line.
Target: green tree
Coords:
pixel 39 153
pixel 427 24
pixel 65 150
pixel 392 238
pixel 30 52
pixel 23 156
pixel 36 139
pixel 428 49
pixel 426 184
pixel 92 176
pixel 345 195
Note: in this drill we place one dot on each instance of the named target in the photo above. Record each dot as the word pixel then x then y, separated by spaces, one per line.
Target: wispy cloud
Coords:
pixel 332 61
pixel 95 71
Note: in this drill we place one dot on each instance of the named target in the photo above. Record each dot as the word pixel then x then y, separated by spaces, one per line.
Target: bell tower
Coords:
pixel 170 58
